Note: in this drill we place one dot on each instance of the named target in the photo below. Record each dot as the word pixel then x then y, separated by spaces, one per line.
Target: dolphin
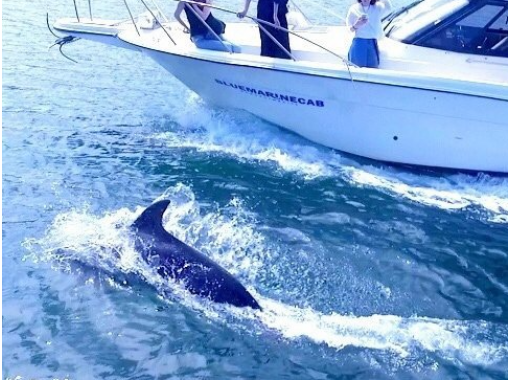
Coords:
pixel 175 259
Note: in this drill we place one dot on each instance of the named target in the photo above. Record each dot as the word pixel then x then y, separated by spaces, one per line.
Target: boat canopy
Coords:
pixel 473 27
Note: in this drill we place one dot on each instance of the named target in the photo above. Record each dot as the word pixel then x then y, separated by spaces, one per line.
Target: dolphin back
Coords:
pixel 199 273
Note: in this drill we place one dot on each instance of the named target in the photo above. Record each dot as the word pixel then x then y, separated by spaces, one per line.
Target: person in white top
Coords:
pixel 365 19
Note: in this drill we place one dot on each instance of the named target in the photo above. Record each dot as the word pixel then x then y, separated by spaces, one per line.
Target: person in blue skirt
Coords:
pixel 365 19
pixel 275 12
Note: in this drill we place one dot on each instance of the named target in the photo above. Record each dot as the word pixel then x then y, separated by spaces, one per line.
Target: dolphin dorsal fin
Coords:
pixel 152 217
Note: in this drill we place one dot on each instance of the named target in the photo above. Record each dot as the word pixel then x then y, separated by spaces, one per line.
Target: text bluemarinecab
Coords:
pixel 273 95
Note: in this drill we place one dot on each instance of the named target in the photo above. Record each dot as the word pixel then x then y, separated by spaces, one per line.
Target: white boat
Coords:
pixel 439 98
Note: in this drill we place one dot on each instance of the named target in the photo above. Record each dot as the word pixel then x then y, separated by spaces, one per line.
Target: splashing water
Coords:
pixel 248 138
pixel 404 336
pixel 231 240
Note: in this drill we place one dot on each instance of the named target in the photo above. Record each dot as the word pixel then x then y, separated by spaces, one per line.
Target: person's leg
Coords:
pixel 264 12
pixel 282 37
pixel 233 47
pixel 267 46
pixel 204 42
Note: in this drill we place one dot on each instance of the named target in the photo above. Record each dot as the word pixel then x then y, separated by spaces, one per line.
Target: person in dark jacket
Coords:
pixel 200 34
pixel 275 12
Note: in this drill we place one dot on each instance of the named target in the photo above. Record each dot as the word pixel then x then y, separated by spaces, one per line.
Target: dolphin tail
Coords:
pixel 254 304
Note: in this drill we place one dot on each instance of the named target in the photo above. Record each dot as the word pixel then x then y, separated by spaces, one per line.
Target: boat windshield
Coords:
pixel 424 13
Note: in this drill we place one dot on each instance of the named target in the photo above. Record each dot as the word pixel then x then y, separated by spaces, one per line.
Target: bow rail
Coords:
pixel 162 21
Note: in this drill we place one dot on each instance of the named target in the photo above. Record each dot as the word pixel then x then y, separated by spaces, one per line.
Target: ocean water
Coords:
pixel 364 270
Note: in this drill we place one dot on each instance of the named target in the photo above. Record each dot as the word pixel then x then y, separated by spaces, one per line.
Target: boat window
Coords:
pixel 424 14
pixel 483 31
pixel 501 23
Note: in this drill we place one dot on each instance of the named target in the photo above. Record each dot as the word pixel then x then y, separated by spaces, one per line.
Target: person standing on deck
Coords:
pixel 365 19
pixel 275 12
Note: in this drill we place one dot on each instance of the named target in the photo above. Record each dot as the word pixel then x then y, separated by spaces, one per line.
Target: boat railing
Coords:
pixel 158 21
pixel 131 16
pixel 262 24
pixel 229 49
pixel 76 10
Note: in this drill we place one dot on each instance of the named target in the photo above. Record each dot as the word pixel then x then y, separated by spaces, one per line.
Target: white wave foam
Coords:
pixel 246 137
pixel 105 243
pixel 406 337
pixel 78 235
pixel 453 192
pixel 227 236
pixel 238 146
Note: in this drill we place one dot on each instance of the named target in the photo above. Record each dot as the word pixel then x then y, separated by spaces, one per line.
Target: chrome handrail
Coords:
pixel 209 28
pixel 273 38
pixel 262 24
pixel 132 18
pixel 218 37
pixel 159 10
pixel 76 11
pixel 257 21
pixel 159 22
pixel 90 9
pixel 300 11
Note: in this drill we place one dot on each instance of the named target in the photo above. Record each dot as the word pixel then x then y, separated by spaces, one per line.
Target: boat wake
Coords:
pixel 248 138
pixel 407 337
pixel 229 237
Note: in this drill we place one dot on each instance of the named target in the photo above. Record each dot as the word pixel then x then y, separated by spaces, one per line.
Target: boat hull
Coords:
pixel 431 125
pixel 415 118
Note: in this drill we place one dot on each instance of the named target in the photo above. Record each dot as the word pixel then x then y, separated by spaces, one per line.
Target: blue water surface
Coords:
pixel 364 270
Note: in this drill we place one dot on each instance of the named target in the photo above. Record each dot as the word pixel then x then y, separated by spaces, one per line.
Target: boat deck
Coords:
pixel 395 56
pixel 329 49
